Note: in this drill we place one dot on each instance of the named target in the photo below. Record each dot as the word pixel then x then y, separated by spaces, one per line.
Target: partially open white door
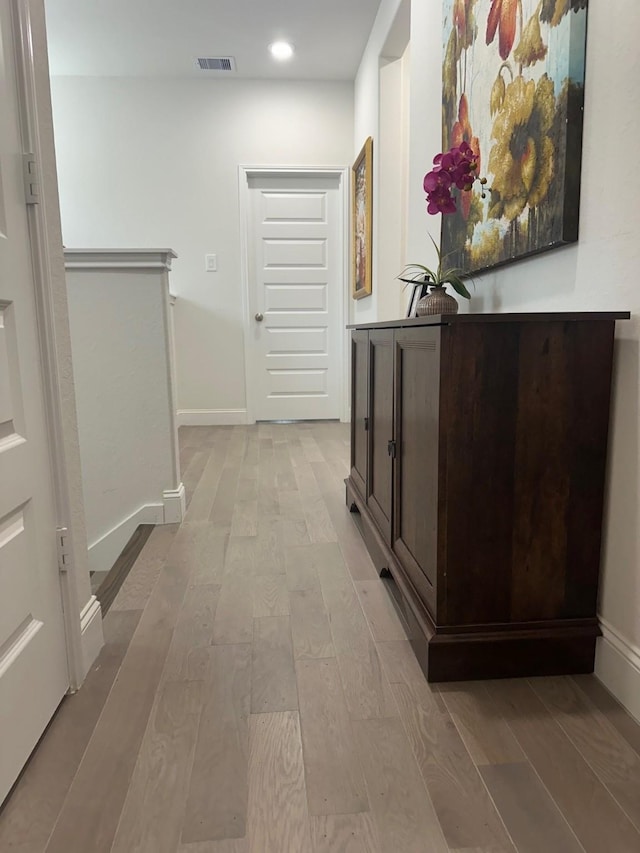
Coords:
pixel 296 288
pixel 33 665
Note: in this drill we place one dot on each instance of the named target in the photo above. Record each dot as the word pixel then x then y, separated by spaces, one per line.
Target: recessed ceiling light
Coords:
pixel 281 50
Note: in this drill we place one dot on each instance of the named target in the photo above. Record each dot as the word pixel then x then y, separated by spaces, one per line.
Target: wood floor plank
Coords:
pixel 278 818
pixel 186 454
pixel 268 502
pixel 244 520
pixel 403 813
pixel 303 564
pixel 209 556
pixel 352 545
pixel 464 809
pixel 205 492
pixel 335 783
pixel 366 688
pixel 294 532
pixel 136 589
pixel 532 818
pixel 600 697
pixel 240 556
pixel 399 662
pixel 192 474
pixel 273 678
pixel 222 509
pixel 485 733
pixel 306 482
pixel 595 817
pixel 154 807
pixel 229 845
pixel 233 622
pixel 608 754
pixel 285 478
pixel 188 656
pixel 90 814
pixel 216 807
pixel 310 448
pixel 247 488
pixel 319 524
pixel 270 596
pixel 310 630
pixel 200 549
pixel 344 833
pixel 384 621
pixel 291 504
pixel 29 815
pixel 269 552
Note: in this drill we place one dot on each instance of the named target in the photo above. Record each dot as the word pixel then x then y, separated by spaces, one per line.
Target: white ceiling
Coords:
pixel 154 38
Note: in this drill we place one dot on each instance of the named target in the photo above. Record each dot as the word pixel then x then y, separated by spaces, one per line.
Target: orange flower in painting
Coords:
pixel 463 132
pixel 502 17
pixel 460 9
pixel 464 22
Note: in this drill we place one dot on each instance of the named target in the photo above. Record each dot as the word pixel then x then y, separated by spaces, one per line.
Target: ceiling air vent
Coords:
pixel 216 63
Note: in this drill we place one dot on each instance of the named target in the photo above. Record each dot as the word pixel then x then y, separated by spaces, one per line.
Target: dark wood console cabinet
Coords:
pixel 478 453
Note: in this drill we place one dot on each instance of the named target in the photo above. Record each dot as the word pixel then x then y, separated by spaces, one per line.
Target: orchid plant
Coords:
pixel 456 168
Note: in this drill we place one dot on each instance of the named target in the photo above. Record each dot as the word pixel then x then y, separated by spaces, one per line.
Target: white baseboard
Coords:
pixel 91 633
pixel 618 667
pixel 175 504
pixel 105 551
pixel 211 417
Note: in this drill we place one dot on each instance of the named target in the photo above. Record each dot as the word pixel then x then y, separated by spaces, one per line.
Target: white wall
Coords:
pixel 367 123
pixel 126 420
pixel 393 180
pixel 155 162
pixel 598 273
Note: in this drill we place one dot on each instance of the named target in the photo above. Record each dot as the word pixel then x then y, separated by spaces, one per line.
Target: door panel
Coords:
pixel 379 491
pixel 295 281
pixel 33 670
pixel 360 409
pixel 417 391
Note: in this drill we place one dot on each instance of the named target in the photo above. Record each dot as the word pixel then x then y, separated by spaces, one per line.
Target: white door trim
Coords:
pixel 246 172
pixel 43 280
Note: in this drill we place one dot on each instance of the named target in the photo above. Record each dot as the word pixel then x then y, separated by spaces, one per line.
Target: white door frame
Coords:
pixel 51 373
pixel 246 172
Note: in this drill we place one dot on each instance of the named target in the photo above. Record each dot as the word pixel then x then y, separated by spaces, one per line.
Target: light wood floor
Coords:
pixel 257 694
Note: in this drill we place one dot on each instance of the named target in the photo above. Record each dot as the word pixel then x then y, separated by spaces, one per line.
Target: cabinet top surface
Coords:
pixel 532 317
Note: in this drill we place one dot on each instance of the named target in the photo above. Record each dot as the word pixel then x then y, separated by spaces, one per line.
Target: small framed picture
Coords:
pixel 419 290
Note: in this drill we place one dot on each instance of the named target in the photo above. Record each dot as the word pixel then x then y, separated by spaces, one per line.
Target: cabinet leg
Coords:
pixel 385 573
pixel 353 507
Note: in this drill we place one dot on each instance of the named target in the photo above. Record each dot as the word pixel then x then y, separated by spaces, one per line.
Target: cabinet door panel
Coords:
pixel 379 492
pixel 359 409
pixel 417 392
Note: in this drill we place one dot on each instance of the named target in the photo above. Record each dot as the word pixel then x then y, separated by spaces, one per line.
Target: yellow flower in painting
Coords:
pixel 498 91
pixel 522 158
pixel 531 48
pixel 553 11
pixel 449 66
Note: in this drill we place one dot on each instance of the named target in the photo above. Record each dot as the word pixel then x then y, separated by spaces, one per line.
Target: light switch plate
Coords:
pixel 211 263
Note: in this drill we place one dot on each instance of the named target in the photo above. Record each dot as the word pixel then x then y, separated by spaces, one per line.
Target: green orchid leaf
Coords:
pixel 459 286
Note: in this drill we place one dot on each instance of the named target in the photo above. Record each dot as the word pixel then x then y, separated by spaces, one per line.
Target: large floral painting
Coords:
pixel 362 221
pixel 513 89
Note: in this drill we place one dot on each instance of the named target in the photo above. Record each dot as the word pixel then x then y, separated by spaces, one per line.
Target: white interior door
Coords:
pixel 33 666
pixel 296 284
